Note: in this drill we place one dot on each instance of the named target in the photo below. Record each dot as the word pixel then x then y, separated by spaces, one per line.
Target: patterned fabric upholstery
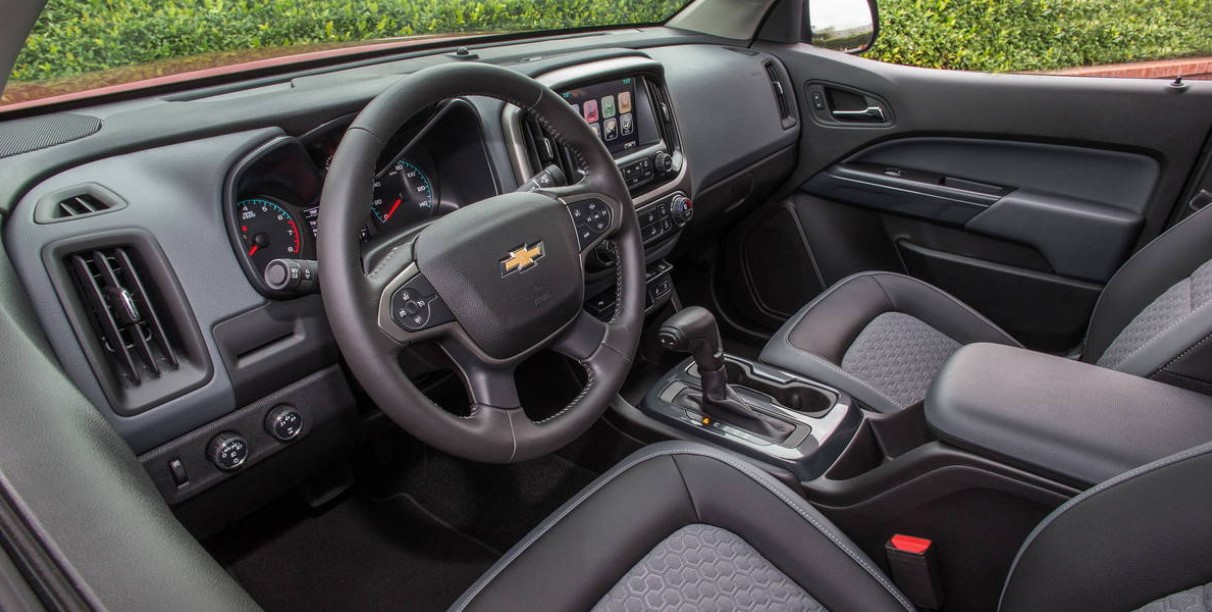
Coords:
pixel 1170 308
pixel 899 355
pixel 1197 599
pixel 708 569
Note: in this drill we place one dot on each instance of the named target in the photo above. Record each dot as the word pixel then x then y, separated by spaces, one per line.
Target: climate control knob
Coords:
pixel 228 451
pixel 681 209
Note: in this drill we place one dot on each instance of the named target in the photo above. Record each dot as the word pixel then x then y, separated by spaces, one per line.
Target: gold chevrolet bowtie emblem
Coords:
pixel 522 258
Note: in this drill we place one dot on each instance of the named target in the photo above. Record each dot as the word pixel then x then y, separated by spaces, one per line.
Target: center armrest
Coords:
pixel 1064 417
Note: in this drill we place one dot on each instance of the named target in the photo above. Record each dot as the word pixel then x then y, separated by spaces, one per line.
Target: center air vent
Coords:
pixel 543 149
pixel 131 318
pixel 124 314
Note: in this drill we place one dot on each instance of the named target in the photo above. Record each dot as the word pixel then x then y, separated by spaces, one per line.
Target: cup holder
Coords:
pixel 791 393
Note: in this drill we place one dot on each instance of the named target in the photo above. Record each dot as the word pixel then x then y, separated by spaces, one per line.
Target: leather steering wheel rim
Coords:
pixel 483 304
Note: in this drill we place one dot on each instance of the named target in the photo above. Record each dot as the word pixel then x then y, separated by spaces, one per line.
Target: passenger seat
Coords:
pixel 882 337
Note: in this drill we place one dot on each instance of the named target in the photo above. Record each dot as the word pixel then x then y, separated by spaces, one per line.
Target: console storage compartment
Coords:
pixel 1058 417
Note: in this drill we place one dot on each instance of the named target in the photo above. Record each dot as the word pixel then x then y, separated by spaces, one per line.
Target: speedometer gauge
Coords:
pixel 267 231
pixel 403 195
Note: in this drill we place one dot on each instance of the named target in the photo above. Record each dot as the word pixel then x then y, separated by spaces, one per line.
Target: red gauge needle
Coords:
pixel 253 250
pixel 391 212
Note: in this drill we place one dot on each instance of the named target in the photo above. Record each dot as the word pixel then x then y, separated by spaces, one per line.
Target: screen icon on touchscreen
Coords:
pixel 591 111
pixel 611 128
pixel 608 109
pixel 627 123
pixel 624 102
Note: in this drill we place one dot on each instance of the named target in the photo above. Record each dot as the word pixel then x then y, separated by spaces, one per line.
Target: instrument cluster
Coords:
pixel 275 193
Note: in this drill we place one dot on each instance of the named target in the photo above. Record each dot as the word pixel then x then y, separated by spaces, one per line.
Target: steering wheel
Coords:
pixel 492 283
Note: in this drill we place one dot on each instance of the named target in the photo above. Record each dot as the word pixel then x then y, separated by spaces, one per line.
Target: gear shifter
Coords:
pixel 693 330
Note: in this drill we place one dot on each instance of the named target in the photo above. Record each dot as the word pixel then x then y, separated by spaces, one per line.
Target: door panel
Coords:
pixel 1021 194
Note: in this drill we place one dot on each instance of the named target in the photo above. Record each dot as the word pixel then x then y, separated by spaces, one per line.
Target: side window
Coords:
pixel 1103 38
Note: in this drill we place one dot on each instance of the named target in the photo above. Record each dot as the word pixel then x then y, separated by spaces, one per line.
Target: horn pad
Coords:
pixel 509 269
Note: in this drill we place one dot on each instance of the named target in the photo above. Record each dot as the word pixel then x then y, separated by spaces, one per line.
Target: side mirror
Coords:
pixel 849 26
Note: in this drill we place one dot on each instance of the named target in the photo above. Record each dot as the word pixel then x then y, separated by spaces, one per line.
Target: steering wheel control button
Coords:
pixel 284 423
pixel 592 219
pixel 416 306
pixel 228 451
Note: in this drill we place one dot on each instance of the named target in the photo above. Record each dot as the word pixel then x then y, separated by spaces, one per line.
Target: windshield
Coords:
pixel 83 45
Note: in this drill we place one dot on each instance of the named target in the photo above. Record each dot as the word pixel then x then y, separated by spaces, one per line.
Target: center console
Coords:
pixel 625 102
pixel 771 415
pixel 1059 417
pixel 819 421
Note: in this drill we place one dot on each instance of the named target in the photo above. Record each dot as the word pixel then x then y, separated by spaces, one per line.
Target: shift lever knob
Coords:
pixel 693 330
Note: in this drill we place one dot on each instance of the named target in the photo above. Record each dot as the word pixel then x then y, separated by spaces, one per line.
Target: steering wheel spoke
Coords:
pixel 488 385
pixel 583 338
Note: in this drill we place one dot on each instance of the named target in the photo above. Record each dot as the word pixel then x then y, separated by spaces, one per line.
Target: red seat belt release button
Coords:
pixel 914 566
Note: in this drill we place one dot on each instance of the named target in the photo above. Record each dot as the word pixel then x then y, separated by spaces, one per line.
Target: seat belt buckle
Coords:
pixel 914 567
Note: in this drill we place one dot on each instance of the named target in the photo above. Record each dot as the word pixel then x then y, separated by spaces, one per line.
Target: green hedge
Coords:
pixel 78 36
pixel 1025 35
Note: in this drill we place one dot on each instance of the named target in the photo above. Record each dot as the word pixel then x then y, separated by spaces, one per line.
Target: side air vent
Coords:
pixel 124 314
pixel 83 204
pixel 543 149
pixel 781 97
pixel 131 318
pixel 76 202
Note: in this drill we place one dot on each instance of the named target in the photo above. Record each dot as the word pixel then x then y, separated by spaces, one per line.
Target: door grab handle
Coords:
pixel 871 112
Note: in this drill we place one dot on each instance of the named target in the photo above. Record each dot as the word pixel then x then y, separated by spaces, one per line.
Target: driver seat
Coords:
pixel 684 526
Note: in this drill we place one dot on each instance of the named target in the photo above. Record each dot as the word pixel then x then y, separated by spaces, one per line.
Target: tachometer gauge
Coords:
pixel 402 195
pixel 267 231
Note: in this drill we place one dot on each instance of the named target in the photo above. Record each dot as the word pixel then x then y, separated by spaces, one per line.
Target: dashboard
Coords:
pixel 194 193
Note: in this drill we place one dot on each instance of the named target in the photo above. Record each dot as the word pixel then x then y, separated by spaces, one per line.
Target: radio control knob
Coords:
pixel 663 162
pixel 681 209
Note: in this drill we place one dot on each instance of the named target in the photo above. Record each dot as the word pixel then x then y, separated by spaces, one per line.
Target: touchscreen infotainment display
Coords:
pixel 611 109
